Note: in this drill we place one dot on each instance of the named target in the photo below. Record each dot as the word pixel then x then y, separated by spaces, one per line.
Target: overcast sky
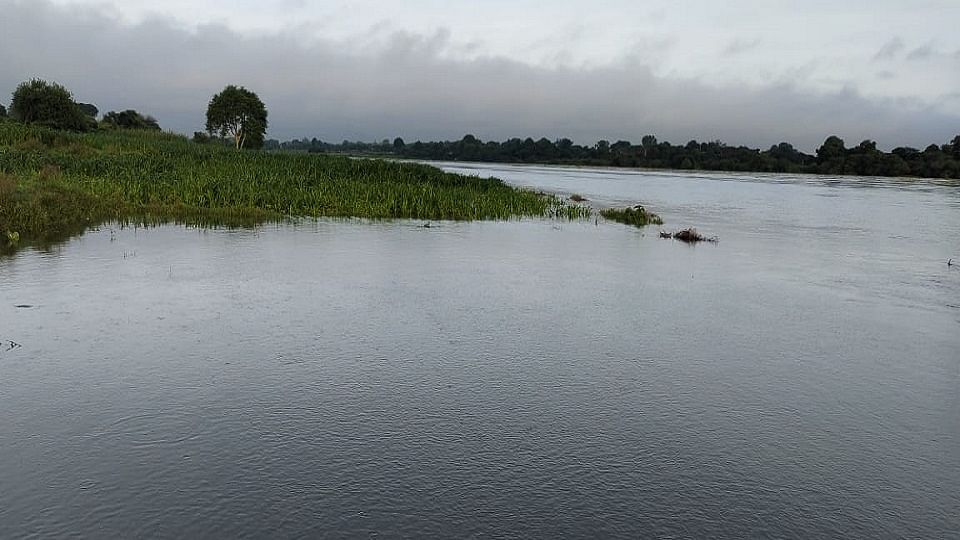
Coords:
pixel 747 72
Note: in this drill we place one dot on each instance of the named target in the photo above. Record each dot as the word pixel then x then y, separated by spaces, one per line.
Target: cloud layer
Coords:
pixel 390 83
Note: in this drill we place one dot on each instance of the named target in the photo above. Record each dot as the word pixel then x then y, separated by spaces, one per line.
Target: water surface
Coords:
pixel 533 379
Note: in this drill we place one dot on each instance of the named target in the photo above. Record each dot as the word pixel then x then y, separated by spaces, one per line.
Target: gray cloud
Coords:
pixel 921 53
pixel 408 85
pixel 890 49
pixel 739 46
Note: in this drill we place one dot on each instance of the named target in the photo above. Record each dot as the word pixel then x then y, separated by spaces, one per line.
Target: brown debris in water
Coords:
pixel 690 236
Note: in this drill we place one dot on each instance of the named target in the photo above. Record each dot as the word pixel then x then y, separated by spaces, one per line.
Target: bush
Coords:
pixel 637 216
pixel 130 119
pixel 47 104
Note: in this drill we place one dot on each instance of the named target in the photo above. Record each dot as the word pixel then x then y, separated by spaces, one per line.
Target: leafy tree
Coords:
pixel 49 104
pixel 398 144
pixel 3 111
pixel 833 148
pixel 130 119
pixel 89 109
pixel 955 147
pixel 238 113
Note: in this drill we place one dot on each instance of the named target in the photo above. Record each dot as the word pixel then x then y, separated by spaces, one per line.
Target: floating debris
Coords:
pixel 10 345
pixel 23 306
pixel 690 236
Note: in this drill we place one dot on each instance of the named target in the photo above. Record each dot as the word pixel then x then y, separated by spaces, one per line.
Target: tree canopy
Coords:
pixel 130 119
pixel 833 157
pixel 238 113
pixel 89 109
pixel 49 104
pixel 3 111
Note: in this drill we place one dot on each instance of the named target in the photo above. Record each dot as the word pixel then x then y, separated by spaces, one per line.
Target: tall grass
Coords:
pixel 637 216
pixel 54 183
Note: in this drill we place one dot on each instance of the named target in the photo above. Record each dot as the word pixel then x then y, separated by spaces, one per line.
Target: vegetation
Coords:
pixel 55 183
pixel 637 216
pixel 130 119
pixel 89 110
pixel 48 104
pixel 690 236
pixel 238 113
pixel 3 111
pixel 833 157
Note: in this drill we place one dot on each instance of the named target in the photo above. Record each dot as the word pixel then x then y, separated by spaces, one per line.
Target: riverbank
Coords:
pixel 56 184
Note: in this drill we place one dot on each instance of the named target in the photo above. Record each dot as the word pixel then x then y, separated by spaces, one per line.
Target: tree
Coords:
pixel 833 148
pixel 398 144
pixel 49 104
pixel 130 119
pixel 89 109
pixel 239 113
pixel 3 111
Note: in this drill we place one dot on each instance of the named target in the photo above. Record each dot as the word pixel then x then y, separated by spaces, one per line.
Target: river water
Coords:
pixel 800 378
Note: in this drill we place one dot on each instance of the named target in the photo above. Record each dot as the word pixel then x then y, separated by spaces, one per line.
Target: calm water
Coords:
pixel 534 379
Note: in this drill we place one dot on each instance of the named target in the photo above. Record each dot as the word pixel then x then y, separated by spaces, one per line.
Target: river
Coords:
pixel 534 378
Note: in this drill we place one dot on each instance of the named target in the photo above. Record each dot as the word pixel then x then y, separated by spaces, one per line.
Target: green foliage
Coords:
pixel 130 119
pixel 47 104
pixel 3 111
pixel 89 109
pixel 238 113
pixel 637 216
pixel 58 183
pixel 832 157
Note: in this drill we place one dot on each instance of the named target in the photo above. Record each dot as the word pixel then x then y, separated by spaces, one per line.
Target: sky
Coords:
pixel 745 72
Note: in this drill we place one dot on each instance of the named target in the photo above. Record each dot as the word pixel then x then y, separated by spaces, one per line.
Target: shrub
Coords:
pixel 130 119
pixel 48 104
pixel 637 216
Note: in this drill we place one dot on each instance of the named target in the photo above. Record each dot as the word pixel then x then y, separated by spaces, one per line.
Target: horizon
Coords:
pixel 745 74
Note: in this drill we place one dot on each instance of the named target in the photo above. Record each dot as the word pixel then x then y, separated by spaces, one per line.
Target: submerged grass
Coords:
pixel 56 184
pixel 637 216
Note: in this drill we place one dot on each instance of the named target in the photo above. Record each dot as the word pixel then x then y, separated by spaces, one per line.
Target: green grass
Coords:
pixel 637 216
pixel 56 184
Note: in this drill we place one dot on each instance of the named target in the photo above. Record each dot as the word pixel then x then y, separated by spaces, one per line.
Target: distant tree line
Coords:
pixel 833 157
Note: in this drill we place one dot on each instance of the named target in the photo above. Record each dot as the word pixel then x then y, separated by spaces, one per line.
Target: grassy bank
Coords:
pixel 55 184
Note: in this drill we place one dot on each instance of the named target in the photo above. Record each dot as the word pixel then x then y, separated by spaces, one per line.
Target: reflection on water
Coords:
pixel 528 378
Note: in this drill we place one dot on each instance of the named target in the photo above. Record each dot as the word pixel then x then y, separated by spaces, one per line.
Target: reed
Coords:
pixel 637 216
pixel 54 183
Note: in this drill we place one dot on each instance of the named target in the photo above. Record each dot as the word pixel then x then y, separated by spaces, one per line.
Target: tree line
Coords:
pixel 50 104
pixel 235 115
pixel 833 157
